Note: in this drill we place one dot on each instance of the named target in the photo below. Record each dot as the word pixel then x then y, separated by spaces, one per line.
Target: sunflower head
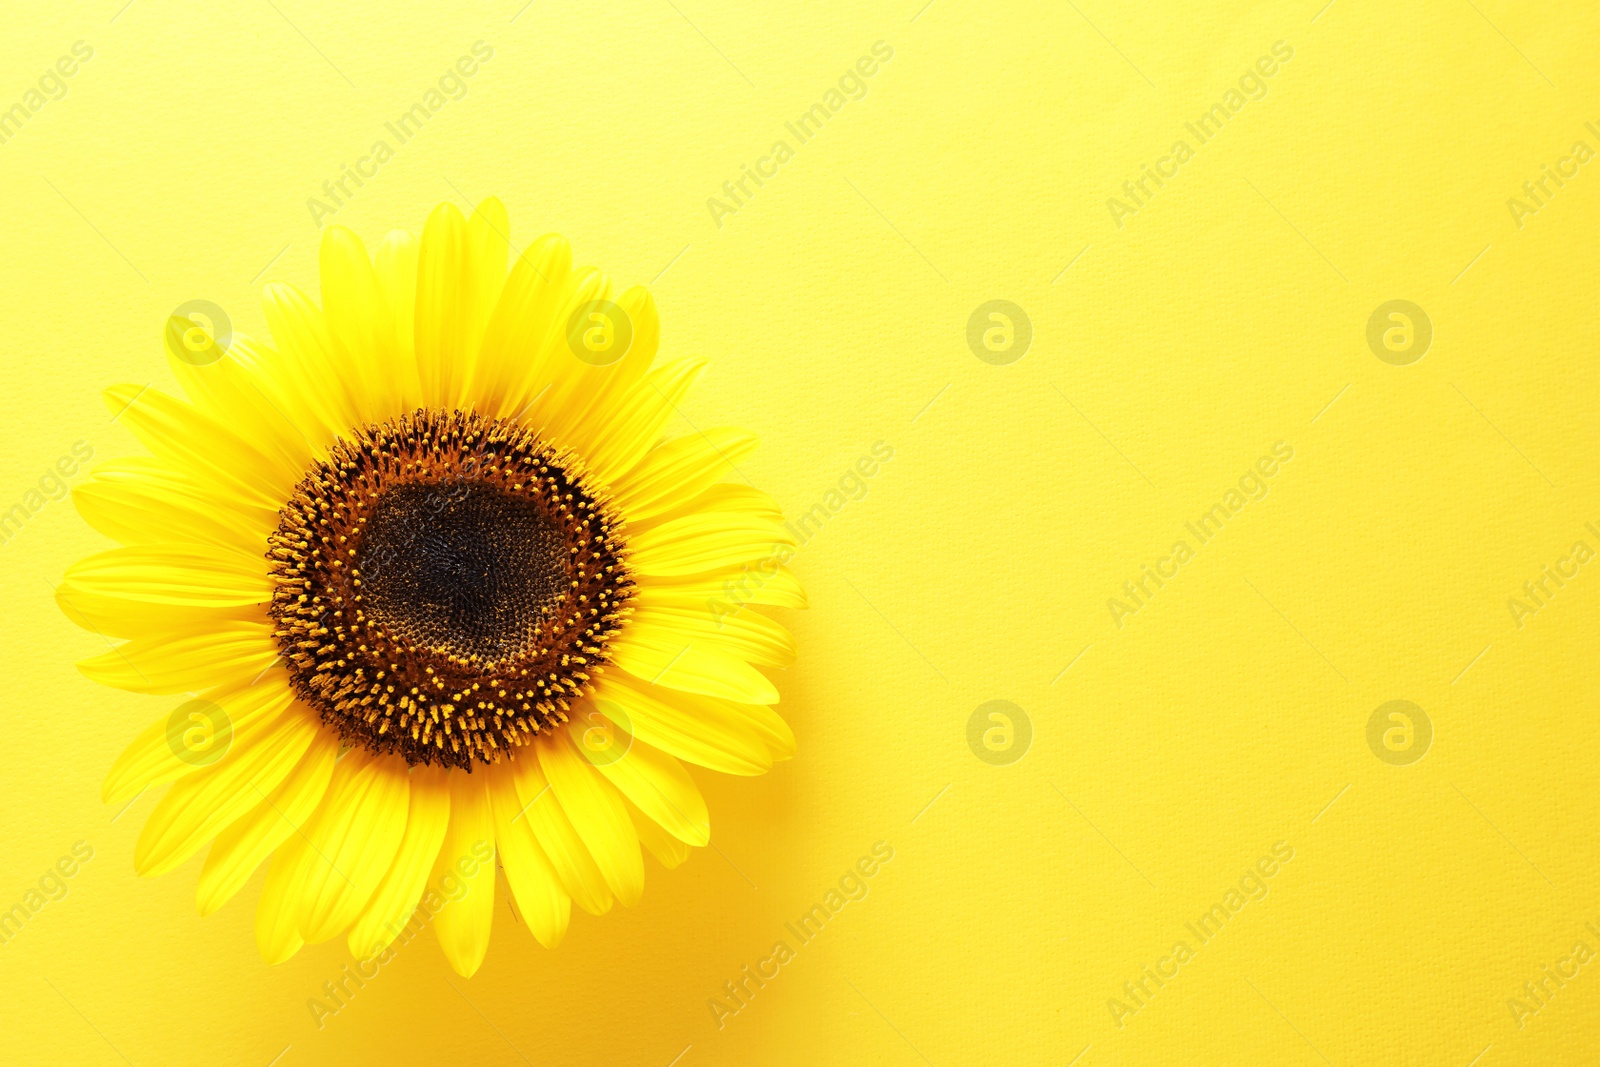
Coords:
pixel 446 587
pixel 442 594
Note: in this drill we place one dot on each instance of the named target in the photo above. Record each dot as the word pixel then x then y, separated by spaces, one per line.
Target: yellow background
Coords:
pixel 1227 714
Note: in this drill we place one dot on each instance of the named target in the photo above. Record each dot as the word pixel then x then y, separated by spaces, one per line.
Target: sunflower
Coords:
pixel 443 599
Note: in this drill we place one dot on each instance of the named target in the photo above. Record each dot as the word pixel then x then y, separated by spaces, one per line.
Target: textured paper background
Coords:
pixel 1168 755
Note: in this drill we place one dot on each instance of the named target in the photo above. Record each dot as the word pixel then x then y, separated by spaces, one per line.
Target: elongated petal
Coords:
pixel 660 788
pixel 689 666
pixel 277 932
pixel 460 270
pixel 228 389
pixel 569 385
pixel 467 858
pixel 312 380
pixel 597 814
pixel 354 836
pixel 182 434
pixel 639 418
pixel 396 265
pixel 726 592
pixel 488 242
pixel 703 731
pixel 179 574
pixel 111 616
pixel 676 472
pixel 516 362
pixel 161 664
pixel 201 805
pixel 580 875
pixel 535 886
pixel 705 542
pixel 358 321
pixel 245 845
pixel 599 388
pixel 138 513
pixel 767 724
pixel 746 635
pixel 668 850
pixel 162 752
pixel 169 478
pixel 392 904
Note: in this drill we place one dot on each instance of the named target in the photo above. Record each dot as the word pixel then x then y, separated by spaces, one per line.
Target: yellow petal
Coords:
pixel 685 665
pixel 535 886
pixel 705 542
pixel 659 787
pixel 228 390
pixel 171 478
pixel 202 574
pixel 354 836
pixel 676 472
pixel 710 733
pixel 245 845
pixel 200 805
pixel 746 635
pixel 597 814
pixel 516 357
pixel 118 617
pixel 137 513
pixel 595 392
pixel 579 874
pixel 148 585
pixel 638 419
pixel 277 932
pixel 725 498
pixel 310 380
pixel 161 664
pixel 466 859
pixel 668 850
pixel 183 435
pixel 396 266
pixel 767 724
pixel 392 904
pixel 558 411
pixel 358 321
pixel 460 270
pixel 488 243
pixel 164 750
pixel 725 591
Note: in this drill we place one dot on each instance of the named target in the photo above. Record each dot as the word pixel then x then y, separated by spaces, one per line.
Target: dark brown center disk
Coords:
pixel 445 587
